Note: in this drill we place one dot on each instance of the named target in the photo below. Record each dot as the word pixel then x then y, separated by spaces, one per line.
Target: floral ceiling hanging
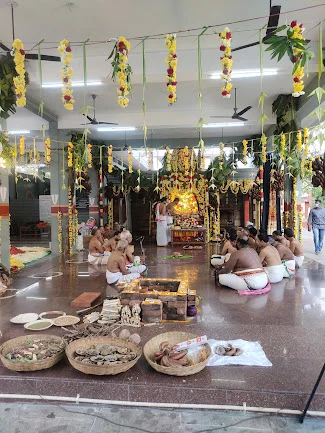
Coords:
pixel 66 74
pixel 171 63
pixel 19 80
pixel 226 61
pixel 122 70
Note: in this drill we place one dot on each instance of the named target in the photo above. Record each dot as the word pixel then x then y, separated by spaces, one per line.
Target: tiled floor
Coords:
pixel 289 322
pixel 51 418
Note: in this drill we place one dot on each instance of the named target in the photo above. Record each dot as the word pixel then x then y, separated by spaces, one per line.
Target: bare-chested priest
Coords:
pixel 170 209
pixel 116 266
pixel 287 257
pixel 270 258
pixel 97 254
pixel 295 247
pixel 244 269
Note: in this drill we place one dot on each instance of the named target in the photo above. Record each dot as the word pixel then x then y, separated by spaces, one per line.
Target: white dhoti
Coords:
pixel 115 277
pixel 288 268
pixel 170 221
pixel 137 269
pixel 299 260
pixel 217 260
pixel 250 279
pixel 162 240
pixel 275 273
pixel 98 259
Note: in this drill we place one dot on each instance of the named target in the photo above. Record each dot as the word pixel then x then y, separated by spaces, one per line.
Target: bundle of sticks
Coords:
pixel 85 330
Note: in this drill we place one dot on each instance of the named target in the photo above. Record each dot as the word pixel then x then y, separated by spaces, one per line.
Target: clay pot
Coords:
pixel 192 311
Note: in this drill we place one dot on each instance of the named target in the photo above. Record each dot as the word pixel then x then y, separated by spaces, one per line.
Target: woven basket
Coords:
pixel 29 366
pixel 100 370
pixel 173 338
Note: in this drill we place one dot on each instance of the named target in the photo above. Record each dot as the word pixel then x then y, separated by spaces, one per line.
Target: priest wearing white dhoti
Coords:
pixel 161 220
pixel 170 208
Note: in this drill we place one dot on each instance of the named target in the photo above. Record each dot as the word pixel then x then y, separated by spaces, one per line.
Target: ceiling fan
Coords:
pixel 93 121
pixel 7 50
pixel 272 25
pixel 236 115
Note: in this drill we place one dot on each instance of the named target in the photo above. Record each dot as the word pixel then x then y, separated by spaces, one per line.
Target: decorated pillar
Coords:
pixel 93 196
pixel 246 209
pixel 59 192
pixel 4 218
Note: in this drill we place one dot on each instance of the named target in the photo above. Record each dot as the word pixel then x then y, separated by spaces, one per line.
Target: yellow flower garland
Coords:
pixel 263 150
pixel 22 148
pixel 66 74
pixel 123 71
pixel 19 80
pixel 171 62
pixel 226 61
pixel 70 220
pixel 89 155
pixel 47 151
pixel 298 74
pixel 70 156
pixel 186 160
pixel 168 159
pixel 299 142
pixel 282 146
pixel 221 155
pixel 245 142
pixel 130 159
pixel 110 159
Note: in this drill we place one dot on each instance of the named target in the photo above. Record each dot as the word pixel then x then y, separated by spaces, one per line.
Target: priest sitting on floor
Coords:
pixel 270 258
pixel 295 247
pixel 116 267
pixel 287 258
pixel 130 258
pixel 97 254
pixel 277 236
pixel 111 244
pixel 244 269
pixel 251 233
pixel 229 247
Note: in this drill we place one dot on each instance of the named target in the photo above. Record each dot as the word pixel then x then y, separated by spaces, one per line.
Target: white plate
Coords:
pixel 50 323
pixel 74 320
pixel 24 318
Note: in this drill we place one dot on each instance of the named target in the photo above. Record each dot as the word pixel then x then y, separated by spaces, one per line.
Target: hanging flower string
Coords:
pixel 122 70
pixel 221 155
pixel 66 74
pixel 130 159
pixel 110 159
pixel 171 63
pixel 89 155
pixel 19 80
pixel 245 143
pixel 168 159
pixel 226 61
pixel 150 159
pixel 296 33
pixel 70 156
pixel 70 219
pixel 186 160
pixel 47 151
pixel 282 146
pixel 263 150
pixel 299 142
pixel 22 148
pixel 60 232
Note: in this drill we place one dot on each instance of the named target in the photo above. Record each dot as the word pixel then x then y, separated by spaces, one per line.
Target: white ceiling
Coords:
pixel 100 20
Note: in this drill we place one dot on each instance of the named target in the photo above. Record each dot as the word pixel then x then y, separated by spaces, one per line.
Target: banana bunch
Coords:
pixel 170 358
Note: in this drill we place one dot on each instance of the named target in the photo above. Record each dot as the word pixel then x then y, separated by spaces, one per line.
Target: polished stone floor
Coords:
pixel 289 322
pixel 54 418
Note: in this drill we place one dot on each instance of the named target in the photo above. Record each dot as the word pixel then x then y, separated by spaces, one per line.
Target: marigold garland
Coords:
pixel 89 155
pixel 70 155
pixel 22 148
pixel 245 143
pixel 171 62
pixel 298 71
pixel 66 73
pixel 130 159
pixel 263 150
pixel 110 159
pixel 122 70
pixel 202 161
pixel 150 159
pixel 299 142
pixel 47 151
pixel 168 159
pixel 19 80
pixel 70 219
pixel 306 135
pixel 226 61
pixel 186 160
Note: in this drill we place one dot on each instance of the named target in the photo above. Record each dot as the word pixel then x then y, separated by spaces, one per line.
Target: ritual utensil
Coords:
pixel 143 251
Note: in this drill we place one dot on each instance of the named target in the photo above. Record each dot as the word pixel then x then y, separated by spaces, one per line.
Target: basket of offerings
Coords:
pixel 32 353
pixel 103 355
pixel 162 356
